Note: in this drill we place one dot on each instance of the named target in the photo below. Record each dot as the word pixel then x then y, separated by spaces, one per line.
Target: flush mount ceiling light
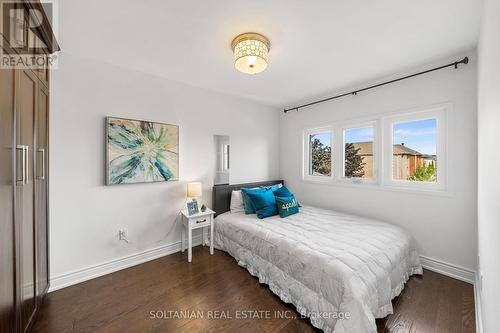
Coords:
pixel 250 52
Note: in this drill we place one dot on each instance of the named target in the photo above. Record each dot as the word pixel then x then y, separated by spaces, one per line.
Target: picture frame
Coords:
pixel 141 151
pixel 192 207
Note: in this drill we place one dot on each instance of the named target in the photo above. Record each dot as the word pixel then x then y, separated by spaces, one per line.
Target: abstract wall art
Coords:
pixel 141 151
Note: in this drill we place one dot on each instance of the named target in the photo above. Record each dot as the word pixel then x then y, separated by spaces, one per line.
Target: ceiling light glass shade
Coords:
pixel 251 53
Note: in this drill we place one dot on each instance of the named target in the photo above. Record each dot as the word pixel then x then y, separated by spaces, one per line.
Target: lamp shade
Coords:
pixel 194 190
pixel 251 52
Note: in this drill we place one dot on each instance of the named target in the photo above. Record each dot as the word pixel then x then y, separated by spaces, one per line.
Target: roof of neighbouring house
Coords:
pixel 400 149
pixel 366 149
pixel 429 157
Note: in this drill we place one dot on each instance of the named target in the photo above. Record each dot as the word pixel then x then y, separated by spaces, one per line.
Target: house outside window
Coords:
pixel 409 148
pixel 359 156
pixel 416 149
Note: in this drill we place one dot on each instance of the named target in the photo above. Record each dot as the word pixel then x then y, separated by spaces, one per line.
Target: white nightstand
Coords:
pixel 200 220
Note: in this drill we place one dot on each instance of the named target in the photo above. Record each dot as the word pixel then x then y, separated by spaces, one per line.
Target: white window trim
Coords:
pixel 382 149
pixel 306 158
pixel 438 113
pixel 376 152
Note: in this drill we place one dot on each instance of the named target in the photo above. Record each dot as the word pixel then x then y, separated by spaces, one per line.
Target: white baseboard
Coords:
pixel 456 272
pixel 91 272
pixel 477 303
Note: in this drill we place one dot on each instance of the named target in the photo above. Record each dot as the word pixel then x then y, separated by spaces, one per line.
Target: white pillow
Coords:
pixel 236 202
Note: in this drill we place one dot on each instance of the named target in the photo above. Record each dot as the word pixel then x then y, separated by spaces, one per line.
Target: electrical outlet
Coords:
pixel 123 234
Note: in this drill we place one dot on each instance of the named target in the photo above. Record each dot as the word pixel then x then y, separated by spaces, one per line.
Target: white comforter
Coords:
pixel 341 271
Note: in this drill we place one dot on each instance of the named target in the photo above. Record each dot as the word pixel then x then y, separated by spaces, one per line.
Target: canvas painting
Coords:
pixel 141 151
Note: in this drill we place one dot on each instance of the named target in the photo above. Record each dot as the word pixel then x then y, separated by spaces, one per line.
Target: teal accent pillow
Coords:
pixel 264 203
pixel 272 187
pixel 247 203
pixel 282 192
pixel 287 206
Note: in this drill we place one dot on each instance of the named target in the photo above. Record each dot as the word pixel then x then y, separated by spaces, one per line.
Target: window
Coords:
pixel 320 150
pixel 359 155
pixel 412 145
pixel 416 154
pixel 319 153
pixel 414 150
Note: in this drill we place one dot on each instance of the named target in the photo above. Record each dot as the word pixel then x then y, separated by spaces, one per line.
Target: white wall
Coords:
pixel 489 165
pixel 443 226
pixel 85 215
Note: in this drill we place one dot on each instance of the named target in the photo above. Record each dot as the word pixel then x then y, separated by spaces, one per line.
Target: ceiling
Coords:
pixel 317 46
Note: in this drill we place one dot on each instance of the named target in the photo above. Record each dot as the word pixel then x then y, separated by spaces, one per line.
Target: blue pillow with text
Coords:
pixel 287 206
pixel 282 192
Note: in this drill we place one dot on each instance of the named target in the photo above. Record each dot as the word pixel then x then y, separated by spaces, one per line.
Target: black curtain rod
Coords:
pixel 455 64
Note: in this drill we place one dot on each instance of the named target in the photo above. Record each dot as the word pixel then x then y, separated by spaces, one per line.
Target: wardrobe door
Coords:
pixel 26 105
pixel 41 180
pixel 7 153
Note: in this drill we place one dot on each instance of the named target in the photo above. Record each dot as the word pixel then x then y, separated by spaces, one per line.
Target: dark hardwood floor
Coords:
pixel 136 299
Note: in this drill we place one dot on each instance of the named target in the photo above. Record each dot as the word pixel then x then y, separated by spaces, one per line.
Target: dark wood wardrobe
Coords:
pixel 24 165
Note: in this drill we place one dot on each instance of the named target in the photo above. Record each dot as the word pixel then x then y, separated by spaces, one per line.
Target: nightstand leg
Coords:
pixel 212 237
pixel 190 245
pixel 204 235
pixel 183 242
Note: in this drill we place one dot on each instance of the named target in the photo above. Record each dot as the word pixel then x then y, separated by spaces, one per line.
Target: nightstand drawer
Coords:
pixel 199 222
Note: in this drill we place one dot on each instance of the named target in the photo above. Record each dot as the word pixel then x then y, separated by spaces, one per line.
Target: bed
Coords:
pixel 341 271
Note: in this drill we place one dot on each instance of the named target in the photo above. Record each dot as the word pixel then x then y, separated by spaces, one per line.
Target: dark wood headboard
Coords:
pixel 221 194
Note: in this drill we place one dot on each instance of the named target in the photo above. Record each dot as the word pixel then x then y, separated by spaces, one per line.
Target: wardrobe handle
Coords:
pixel 26 159
pixel 41 150
pixel 24 166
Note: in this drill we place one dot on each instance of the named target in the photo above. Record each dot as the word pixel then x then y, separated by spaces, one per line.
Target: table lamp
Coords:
pixel 194 191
